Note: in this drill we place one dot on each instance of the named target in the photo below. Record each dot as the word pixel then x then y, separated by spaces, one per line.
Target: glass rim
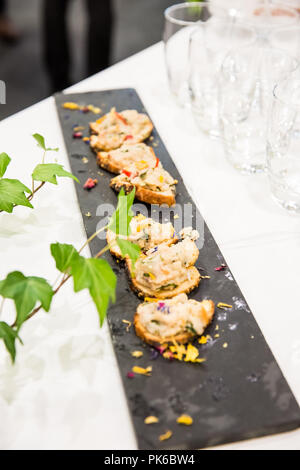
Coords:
pixel 181 6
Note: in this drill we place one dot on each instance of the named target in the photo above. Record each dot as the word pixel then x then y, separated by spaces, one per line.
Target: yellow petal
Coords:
pixel 204 339
pixel 142 371
pixel 137 353
pixel 151 420
pixel 152 276
pixel 100 119
pixel 70 105
pixel 185 419
pixel 167 435
pixel 222 305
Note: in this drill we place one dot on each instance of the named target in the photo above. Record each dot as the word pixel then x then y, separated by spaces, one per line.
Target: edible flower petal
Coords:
pixel 185 419
pixel 167 435
pixel 142 371
pixel 151 420
pixel 137 353
pixel 222 305
pixel 90 183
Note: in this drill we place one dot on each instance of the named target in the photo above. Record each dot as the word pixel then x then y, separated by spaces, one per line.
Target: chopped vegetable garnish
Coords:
pixel 130 375
pixel 221 268
pixel 128 137
pixel 167 435
pixel 77 135
pixel 185 419
pixel 141 371
pixel 121 118
pixel 127 173
pixel 204 339
pixel 157 161
pixel 192 354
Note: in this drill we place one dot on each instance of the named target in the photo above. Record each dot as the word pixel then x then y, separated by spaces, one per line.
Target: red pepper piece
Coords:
pixel 128 137
pixel 221 268
pixel 127 173
pixel 90 183
pixel 157 162
pixel 121 118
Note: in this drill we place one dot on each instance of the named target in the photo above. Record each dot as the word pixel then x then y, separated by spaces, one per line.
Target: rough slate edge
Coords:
pixel 239 393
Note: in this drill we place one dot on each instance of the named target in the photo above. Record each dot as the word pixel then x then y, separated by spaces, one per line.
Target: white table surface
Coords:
pixel 65 390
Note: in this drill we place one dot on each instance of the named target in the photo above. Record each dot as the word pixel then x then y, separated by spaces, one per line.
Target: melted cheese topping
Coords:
pixel 165 267
pixel 139 155
pixel 113 129
pixel 175 316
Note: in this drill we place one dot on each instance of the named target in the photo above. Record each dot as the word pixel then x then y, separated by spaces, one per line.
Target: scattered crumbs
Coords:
pixel 128 323
pixel 185 419
pixel 176 216
pixel 84 160
pixel 225 345
pixel 70 105
pixel 223 305
pixel 252 337
pixel 142 371
pixel 217 327
pixel 77 135
pixel 217 335
pixel 151 420
pixel 151 138
pixel 100 173
pixel 167 435
pixel 88 214
pixel 155 144
pixel 78 128
pixel 137 354
pixel 232 326
pixel 130 375
pixel 253 378
pixel 205 277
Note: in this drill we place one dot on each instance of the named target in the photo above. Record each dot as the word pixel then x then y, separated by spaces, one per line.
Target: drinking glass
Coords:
pixel 283 144
pixel 180 21
pixel 247 80
pixel 209 44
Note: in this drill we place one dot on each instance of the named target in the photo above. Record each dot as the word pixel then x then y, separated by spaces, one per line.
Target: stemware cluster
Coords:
pixel 235 65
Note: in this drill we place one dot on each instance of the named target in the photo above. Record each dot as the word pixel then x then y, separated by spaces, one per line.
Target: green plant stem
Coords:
pixel 30 197
pixel 92 237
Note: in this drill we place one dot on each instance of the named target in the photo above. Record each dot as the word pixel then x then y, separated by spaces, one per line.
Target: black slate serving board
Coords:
pixel 239 392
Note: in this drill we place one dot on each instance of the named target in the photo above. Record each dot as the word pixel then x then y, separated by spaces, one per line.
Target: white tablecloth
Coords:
pixel 65 390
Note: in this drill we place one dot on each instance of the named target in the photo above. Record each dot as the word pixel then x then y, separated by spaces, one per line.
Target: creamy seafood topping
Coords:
pixel 165 267
pixel 175 316
pixel 140 155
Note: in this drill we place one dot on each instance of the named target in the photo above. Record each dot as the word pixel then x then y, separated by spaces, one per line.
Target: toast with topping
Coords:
pixel 178 319
pixel 114 129
pixel 166 271
pixel 152 185
pixel 127 155
pixel 144 232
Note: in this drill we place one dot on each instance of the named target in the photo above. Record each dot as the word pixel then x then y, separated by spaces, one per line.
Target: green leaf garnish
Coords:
pixel 12 193
pixel 26 292
pixel 41 143
pixel 121 218
pixel 64 255
pixel 49 171
pixel 97 276
pixel 130 249
pixel 9 336
pixel 4 162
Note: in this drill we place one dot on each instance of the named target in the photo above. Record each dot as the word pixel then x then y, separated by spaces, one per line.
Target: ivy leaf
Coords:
pixel 64 255
pixel 4 162
pixel 49 172
pixel 41 143
pixel 130 249
pixel 97 276
pixel 9 337
pixel 121 218
pixel 26 292
pixel 12 193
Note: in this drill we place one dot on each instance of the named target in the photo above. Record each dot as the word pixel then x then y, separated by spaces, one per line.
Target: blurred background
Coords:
pixel 137 24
